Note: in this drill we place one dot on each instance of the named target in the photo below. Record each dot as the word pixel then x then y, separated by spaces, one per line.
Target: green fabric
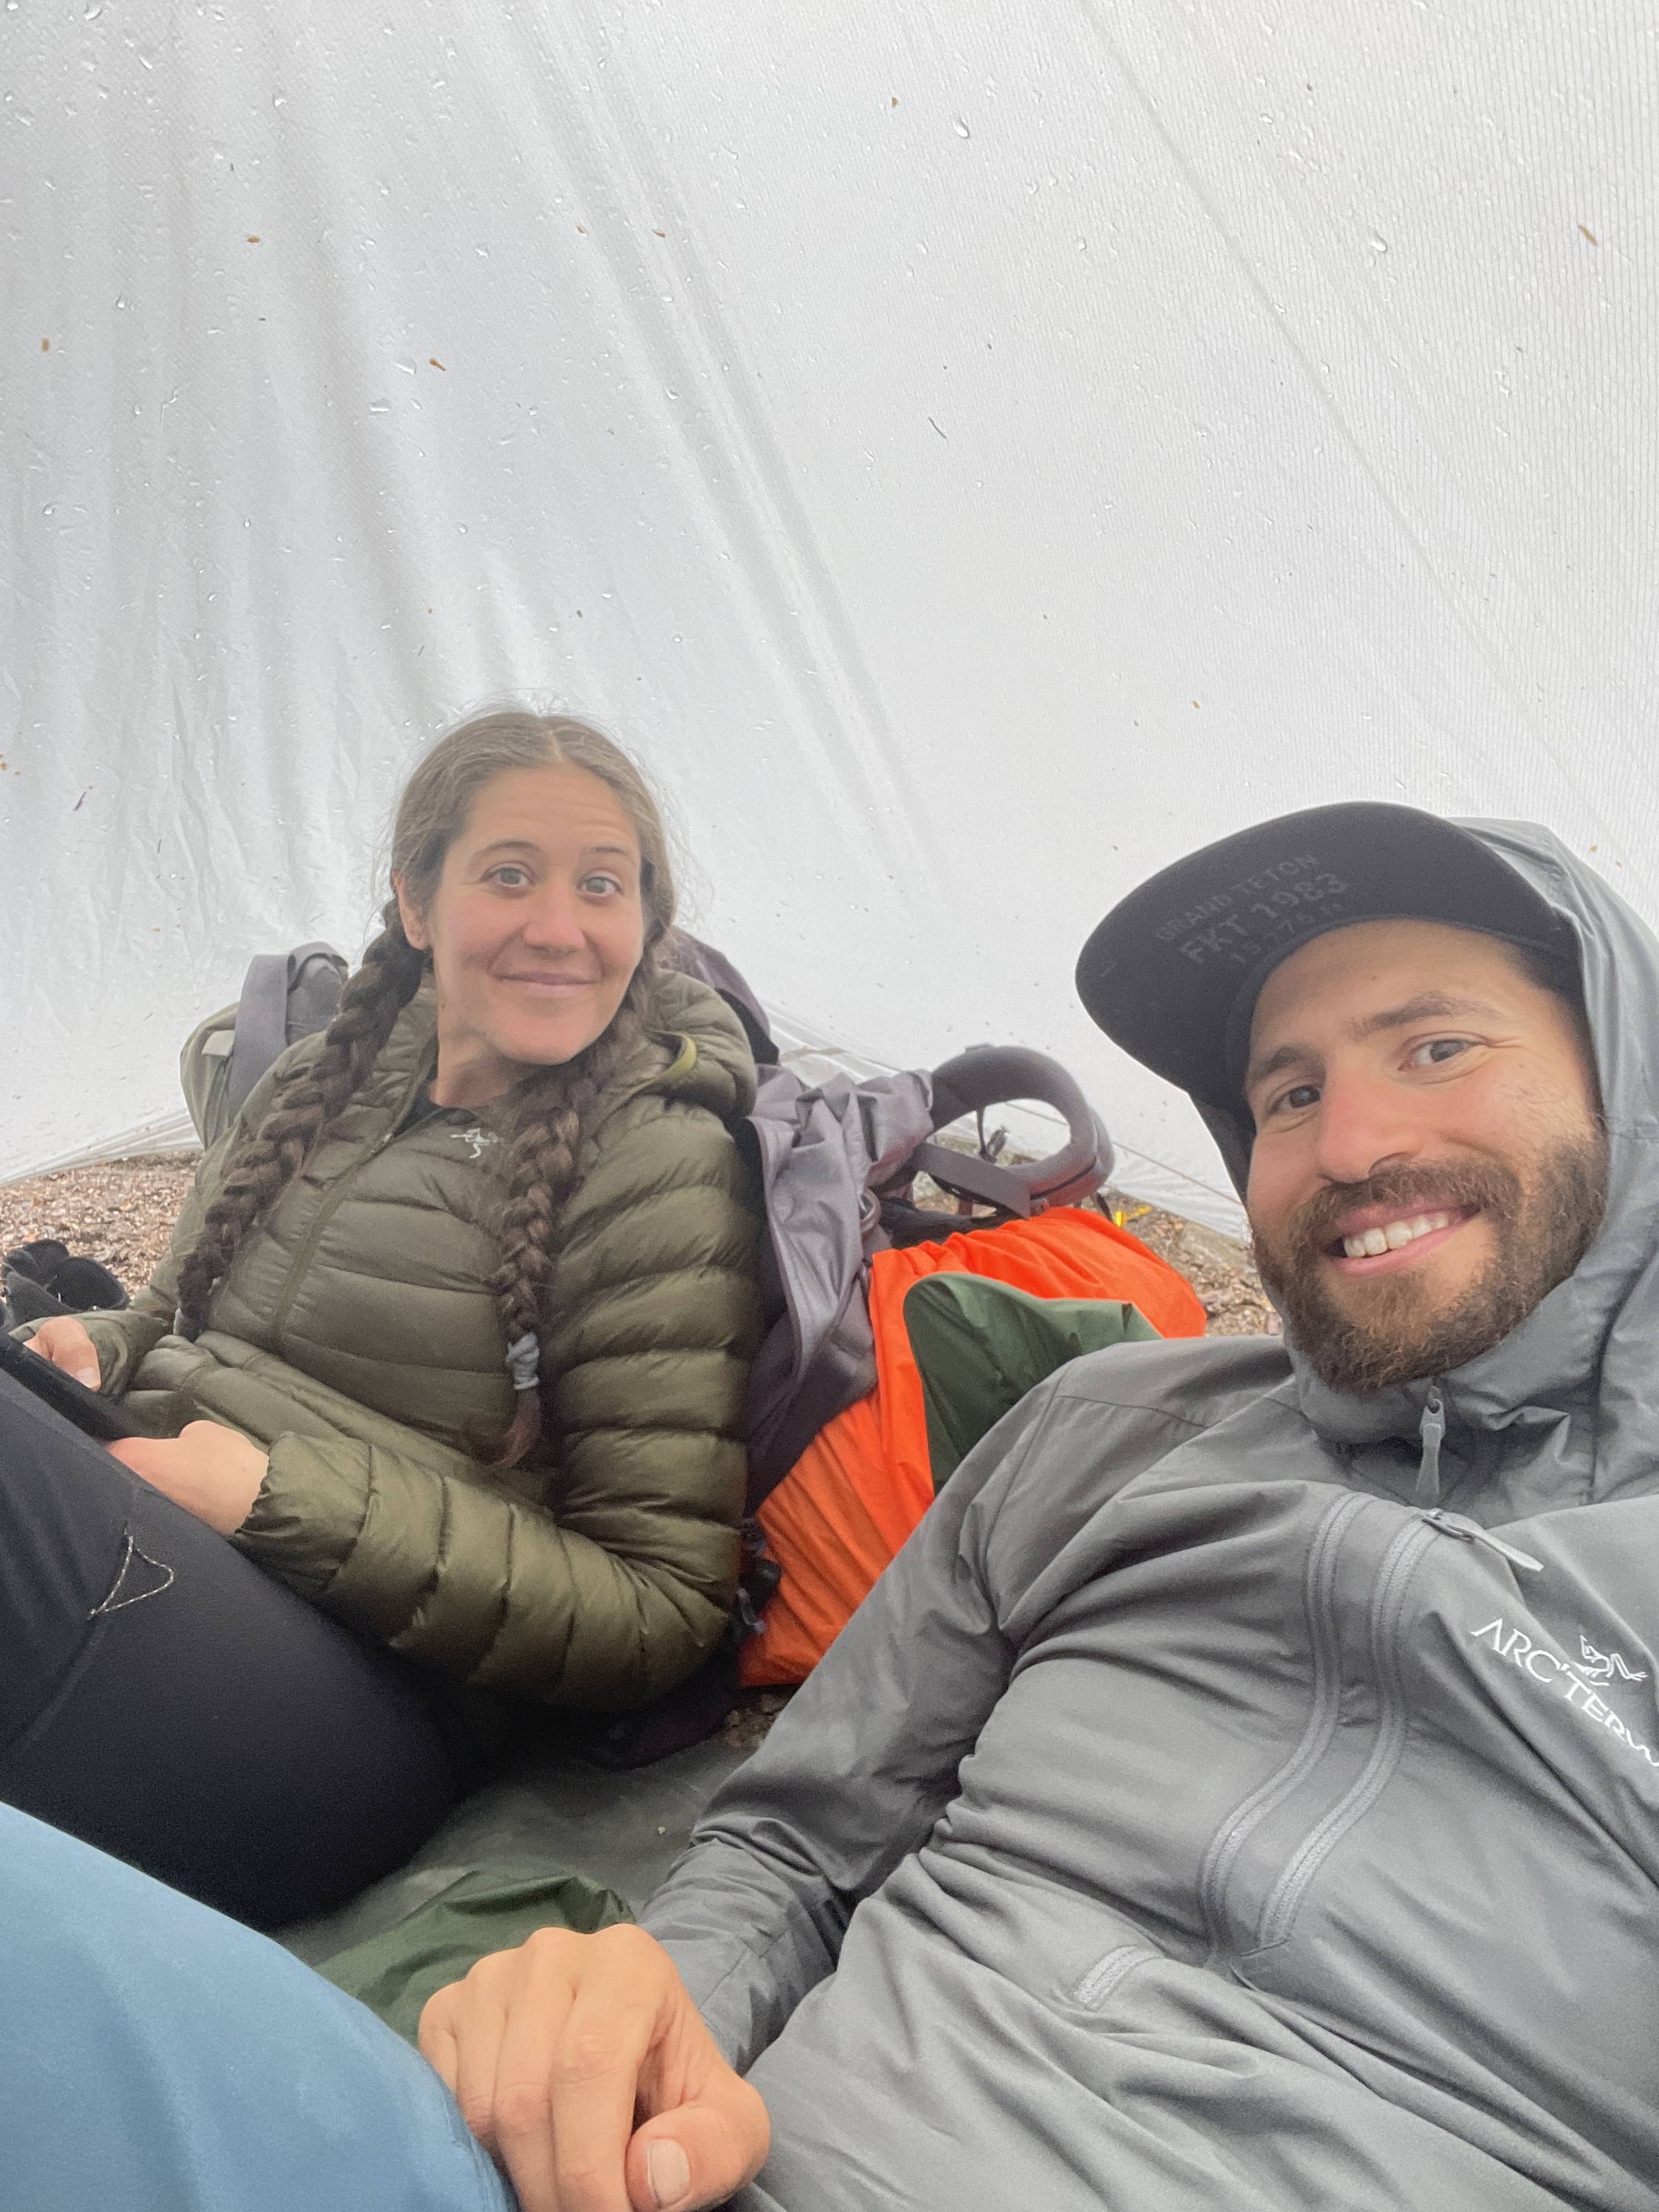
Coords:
pixel 395 1973
pixel 979 1345
pixel 356 1340
pixel 204 1072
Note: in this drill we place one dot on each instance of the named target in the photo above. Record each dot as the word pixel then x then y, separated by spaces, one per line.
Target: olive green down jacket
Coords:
pixel 356 1340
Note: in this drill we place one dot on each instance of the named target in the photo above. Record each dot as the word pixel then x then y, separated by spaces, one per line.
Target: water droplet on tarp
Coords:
pixel 379 406
pixel 92 11
pixel 960 127
pixel 1378 243
pixel 407 366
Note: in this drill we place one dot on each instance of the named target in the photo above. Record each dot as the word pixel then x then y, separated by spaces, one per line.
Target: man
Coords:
pixel 1243 1790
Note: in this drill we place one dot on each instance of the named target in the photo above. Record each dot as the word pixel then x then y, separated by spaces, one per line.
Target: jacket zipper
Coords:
pixel 684 1061
pixel 329 1205
pixel 1318 1584
pixel 1388 1596
pixel 1388 1602
pixel 1471 1532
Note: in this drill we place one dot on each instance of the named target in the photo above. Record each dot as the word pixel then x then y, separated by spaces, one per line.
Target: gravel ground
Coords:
pixel 749 1723
pixel 119 1212
pixel 1219 1268
pixel 122 1211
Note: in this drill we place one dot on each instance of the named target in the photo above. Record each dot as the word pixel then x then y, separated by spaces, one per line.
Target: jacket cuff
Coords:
pixel 122 1340
pixel 307 1519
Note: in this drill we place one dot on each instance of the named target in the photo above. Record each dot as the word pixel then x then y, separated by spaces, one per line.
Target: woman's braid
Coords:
pixel 551 1111
pixel 311 1100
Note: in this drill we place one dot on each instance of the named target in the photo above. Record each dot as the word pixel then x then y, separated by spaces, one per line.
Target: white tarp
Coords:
pixel 972 453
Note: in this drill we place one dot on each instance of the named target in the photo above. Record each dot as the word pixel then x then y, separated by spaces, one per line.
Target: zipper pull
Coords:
pixel 1431 1430
pixel 1471 1532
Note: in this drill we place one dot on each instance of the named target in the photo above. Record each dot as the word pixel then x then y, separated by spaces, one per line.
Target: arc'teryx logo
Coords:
pixel 1602 1666
pixel 476 1137
pixel 1577 1682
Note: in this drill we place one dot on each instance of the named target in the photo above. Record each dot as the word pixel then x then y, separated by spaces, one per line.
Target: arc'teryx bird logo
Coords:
pixel 1577 1680
pixel 1602 1666
pixel 476 1137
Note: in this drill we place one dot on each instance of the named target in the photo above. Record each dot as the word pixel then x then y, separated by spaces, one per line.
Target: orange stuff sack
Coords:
pixel 864 1482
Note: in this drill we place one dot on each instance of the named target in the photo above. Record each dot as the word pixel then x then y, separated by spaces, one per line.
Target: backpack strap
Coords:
pixel 261 1026
pixel 997 1075
pixel 966 1175
pixel 262 1017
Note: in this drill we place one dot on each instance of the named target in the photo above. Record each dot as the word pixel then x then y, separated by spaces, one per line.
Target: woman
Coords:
pixel 452 1341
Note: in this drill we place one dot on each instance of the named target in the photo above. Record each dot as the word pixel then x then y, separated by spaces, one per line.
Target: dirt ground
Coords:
pixel 121 1212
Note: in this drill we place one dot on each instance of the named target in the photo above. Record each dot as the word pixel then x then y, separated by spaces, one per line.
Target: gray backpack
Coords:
pixel 285 996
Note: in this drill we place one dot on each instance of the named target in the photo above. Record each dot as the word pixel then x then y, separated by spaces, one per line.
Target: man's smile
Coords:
pixel 1380 1240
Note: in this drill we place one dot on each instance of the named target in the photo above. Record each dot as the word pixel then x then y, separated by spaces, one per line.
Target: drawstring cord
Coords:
pixel 1430 1430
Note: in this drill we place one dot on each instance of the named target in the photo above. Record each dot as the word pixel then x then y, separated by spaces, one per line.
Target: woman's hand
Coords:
pixel 584 2068
pixel 210 1470
pixel 66 1345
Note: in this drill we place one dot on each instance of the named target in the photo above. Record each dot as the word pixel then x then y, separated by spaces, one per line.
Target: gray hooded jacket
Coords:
pixel 1228 1799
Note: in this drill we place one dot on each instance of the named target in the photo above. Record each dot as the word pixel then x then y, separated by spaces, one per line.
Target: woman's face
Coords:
pixel 535 929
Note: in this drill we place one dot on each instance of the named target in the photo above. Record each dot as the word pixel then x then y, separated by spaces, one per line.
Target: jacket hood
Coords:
pixel 718 1072
pixel 1566 1407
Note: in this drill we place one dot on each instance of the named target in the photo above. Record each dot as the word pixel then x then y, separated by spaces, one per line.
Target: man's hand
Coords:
pixel 209 1469
pixel 66 1345
pixel 582 2066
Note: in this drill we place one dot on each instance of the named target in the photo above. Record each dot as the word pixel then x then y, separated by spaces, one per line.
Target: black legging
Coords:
pixel 161 1697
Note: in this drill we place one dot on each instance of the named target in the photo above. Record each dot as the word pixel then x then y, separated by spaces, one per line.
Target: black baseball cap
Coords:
pixel 1174 971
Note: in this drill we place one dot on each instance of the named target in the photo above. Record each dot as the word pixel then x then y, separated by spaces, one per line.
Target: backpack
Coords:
pixel 837 1162
pixel 964 1326
pixel 285 996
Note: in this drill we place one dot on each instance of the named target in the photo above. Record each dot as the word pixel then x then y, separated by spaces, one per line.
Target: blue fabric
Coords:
pixel 156 2056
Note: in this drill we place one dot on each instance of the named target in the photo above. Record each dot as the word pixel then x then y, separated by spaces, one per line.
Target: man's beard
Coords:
pixel 1541 1232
